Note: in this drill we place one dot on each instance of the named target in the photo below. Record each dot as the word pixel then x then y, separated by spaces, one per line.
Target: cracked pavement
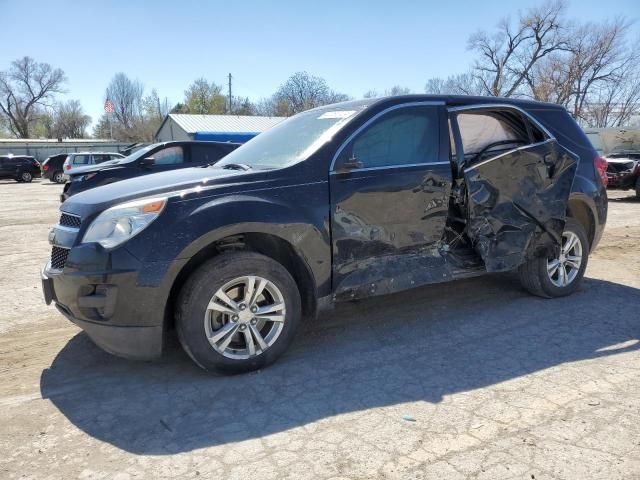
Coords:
pixel 471 379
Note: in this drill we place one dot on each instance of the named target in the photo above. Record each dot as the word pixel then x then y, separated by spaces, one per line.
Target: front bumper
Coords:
pixel 121 309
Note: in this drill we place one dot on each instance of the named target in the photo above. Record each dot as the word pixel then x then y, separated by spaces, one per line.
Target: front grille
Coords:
pixel 68 220
pixel 59 257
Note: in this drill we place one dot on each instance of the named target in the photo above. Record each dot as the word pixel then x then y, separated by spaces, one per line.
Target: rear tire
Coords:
pixel 58 177
pixel 218 297
pixel 551 278
pixel 26 177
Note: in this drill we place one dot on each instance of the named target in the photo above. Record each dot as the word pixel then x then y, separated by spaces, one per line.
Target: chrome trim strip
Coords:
pixel 508 152
pixel 372 119
pixel 484 106
pixel 387 167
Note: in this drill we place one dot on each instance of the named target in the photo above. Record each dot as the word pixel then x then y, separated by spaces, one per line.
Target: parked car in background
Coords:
pixel 337 203
pixel 53 168
pixel 85 159
pixel 159 157
pixel 623 171
pixel 21 168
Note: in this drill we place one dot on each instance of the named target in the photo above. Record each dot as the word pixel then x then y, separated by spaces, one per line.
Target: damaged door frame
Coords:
pixel 489 197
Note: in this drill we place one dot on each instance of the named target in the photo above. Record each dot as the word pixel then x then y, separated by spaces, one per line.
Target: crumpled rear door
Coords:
pixel 517 203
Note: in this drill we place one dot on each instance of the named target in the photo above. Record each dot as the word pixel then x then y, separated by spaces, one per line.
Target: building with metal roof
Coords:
pixel 222 128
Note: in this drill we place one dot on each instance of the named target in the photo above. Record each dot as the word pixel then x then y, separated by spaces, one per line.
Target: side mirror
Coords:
pixel 349 164
pixel 147 162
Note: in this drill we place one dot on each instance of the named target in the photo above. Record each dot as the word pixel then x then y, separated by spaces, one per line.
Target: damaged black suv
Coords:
pixel 338 203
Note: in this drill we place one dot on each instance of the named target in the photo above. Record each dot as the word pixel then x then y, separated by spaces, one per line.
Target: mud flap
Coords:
pixel 517 204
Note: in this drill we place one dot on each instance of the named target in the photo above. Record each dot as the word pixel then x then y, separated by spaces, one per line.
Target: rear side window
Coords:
pixel 206 154
pixel 488 131
pixel 81 159
pixel 406 136
pixel 101 158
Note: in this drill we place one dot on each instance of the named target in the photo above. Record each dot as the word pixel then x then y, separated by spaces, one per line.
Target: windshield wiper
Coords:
pixel 237 166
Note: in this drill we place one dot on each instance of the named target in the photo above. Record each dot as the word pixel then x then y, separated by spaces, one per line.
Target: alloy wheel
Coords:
pixel 564 269
pixel 58 177
pixel 26 177
pixel 245 317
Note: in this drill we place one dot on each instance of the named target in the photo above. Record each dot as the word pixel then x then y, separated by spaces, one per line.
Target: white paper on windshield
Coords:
pixel 337 114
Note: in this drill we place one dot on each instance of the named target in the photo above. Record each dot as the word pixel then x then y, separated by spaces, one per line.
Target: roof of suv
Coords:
pixel 452 100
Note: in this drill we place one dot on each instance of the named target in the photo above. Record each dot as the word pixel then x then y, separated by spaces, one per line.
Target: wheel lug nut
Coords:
pixel 253 321
pixel 234 318
pixel 242 327
pixel 254 309
pixel 242 306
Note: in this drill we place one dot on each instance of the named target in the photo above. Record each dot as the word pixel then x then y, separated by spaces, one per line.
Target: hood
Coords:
pixel 98 199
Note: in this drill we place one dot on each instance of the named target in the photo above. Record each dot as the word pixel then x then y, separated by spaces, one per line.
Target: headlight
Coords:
pixel 120 223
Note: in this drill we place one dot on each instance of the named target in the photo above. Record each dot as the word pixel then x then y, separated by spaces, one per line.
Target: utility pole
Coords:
pixel 230 94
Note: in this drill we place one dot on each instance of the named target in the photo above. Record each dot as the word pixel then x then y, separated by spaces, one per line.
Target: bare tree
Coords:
pixel 461 84
pixel 596 77
pixel 70 120
pixel 301 92
pixel 25 87
pixel 512 51
pixel 126 96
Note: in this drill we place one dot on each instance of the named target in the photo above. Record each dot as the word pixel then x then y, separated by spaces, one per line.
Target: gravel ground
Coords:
pixel 473 379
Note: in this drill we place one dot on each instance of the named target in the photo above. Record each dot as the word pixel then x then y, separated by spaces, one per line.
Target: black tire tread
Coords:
pixel 204 273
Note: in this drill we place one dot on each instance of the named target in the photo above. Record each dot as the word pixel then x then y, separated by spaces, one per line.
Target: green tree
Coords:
pixel 205 98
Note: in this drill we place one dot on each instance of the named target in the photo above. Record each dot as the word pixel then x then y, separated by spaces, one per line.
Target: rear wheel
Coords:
pixel 559 276
pixel 58 177
pixel 26 177
pixel 238 312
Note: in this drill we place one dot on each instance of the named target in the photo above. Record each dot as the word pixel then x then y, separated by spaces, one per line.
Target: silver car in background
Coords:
pixel 84 159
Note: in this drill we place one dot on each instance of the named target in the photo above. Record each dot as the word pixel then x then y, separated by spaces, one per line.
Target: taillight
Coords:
pixel 601 167
pixel 68 167
pixel 45 167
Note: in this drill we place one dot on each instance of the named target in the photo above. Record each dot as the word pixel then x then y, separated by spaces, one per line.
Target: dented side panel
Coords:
pixel 517 203
pixel 381 217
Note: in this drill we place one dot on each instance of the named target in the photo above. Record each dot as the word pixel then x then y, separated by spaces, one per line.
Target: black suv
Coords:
pixel 338 203
pixel 159 157
pixel 53 168
pixel 21 168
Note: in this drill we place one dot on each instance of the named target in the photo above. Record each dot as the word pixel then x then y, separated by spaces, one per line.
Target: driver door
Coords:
pixel 518 180
pixel 389 199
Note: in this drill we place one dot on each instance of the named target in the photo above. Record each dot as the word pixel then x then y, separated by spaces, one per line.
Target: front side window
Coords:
pixel 485 133
pixel 169 156
pixel 407 136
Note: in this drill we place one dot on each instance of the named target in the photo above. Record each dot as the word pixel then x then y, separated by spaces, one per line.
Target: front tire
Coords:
pixel 638 187
pixel 558 277
pixel 238 312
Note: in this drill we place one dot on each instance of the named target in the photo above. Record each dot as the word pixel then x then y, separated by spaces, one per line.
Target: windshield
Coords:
pixel 294 139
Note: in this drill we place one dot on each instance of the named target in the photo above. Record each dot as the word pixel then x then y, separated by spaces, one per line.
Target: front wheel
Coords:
pixel 559 276
pixel 638 187
pixel 238 312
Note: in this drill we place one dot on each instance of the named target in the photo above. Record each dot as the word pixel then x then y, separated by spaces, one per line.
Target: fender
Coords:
pixel 304 227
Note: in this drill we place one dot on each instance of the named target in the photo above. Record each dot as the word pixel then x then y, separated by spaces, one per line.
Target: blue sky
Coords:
pixel 166 44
